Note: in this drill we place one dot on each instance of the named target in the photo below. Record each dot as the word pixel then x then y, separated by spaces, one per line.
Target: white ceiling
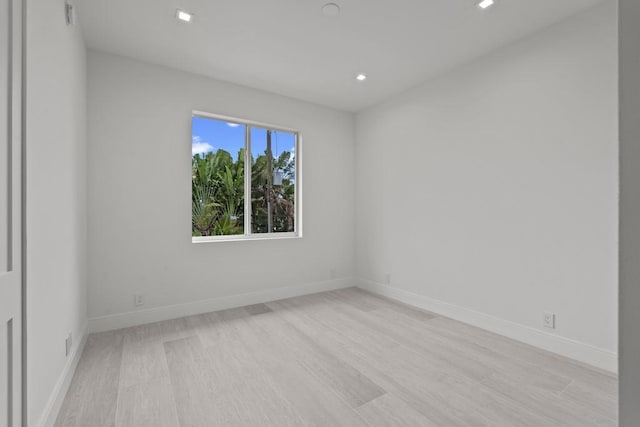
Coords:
pixel 289 47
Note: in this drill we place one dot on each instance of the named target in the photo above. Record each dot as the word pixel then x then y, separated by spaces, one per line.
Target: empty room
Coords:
pixel 319 212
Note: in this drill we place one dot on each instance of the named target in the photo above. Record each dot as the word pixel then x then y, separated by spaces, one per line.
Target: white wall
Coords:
pixel 491 193
pixel 56 199
pixel 140 194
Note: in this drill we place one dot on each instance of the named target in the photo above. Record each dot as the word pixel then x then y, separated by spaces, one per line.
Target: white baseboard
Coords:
pixel 52 408
pixel 576 350
pixel 141 317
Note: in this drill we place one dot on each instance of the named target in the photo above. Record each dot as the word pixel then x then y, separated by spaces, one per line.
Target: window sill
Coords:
pixel 244 238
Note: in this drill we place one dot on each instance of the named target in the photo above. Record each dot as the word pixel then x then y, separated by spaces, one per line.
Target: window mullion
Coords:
pixel 247 180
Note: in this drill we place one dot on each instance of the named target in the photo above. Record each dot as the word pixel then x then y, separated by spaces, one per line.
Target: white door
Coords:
pixel 10 212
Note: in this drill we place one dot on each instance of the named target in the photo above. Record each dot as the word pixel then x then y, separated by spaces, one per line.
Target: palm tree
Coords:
pixel 204 209
pixel 278 199
pixel 217 194
pixel 217 188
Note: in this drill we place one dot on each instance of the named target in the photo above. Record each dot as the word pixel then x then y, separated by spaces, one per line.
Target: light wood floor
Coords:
pixel 343 358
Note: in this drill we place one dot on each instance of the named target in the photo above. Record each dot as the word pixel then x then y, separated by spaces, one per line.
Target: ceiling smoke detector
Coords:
pixel 330 9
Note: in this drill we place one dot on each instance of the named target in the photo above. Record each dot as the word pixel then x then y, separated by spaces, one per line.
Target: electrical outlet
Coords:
pixel 332 273
pixel 68 342
pixel 387 279
pixel 138 300
pixel 549 320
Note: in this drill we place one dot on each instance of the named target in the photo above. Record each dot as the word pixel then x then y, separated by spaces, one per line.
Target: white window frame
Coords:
pixel 248 235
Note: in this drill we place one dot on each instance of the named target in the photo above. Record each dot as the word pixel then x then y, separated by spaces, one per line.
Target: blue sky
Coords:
pixel 210 135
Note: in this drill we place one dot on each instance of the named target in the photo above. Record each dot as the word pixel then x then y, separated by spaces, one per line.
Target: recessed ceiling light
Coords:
pixel 361 77
pixel 485 4
pixel 330 9
pixel 184 16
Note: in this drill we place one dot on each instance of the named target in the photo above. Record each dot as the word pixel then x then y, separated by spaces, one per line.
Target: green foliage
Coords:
pixel 204 209
pixel 217 193
pixel 280 198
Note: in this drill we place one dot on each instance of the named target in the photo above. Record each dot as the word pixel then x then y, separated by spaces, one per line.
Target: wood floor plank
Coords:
pixel 175 329
pixel 145 394
pixel 606 382
pixel 257 309
pixel 425 376
pixel 516 371
pixel 344 379
pixel 142 361
pixel 389 410
pixel 232 390
pixel 591 399
pixel 500 409
pixel 185 360
pixel 147 404
pixel 212 327
pixel 355 294
pixel 92 396
pixel 238 379
pixel 318 404
pixel 477 361
pixel 561 411
pixel 397 369
pixel 533 375
pixel 360 302
pixel 453 362
pixel 143 333
pixel 345 357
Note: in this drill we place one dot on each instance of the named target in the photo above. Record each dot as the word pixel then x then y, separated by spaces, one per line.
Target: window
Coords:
pixel 244 180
